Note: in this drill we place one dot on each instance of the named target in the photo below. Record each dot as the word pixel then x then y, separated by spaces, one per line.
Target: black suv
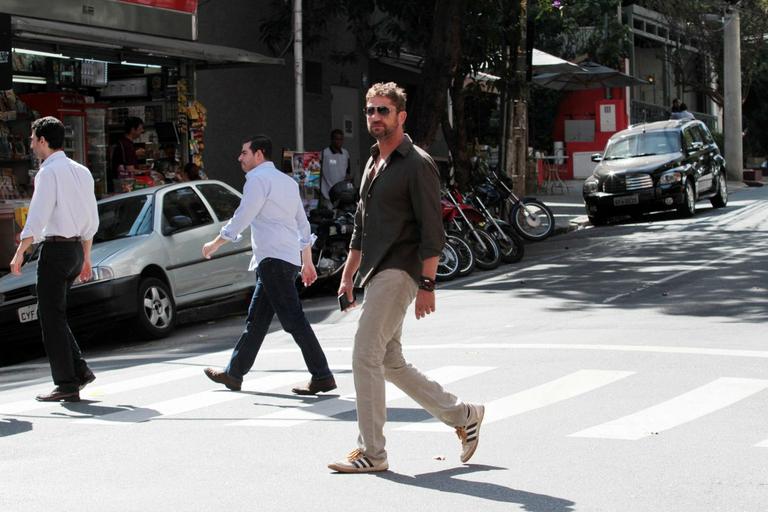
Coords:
pixel 656 166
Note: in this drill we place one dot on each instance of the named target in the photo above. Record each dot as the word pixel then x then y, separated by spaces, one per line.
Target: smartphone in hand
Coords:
pixel 344 303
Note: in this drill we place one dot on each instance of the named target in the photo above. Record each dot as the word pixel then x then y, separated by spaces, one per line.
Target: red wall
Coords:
pixel 582 105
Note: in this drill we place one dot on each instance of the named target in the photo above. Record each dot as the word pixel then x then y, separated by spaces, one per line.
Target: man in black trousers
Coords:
pixel 64 217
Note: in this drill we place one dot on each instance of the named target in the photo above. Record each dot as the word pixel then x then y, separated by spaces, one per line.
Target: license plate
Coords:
pixel 626 200
pixel 27 313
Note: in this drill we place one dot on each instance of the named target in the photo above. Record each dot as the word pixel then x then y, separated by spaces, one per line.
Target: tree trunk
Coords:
pixel 517 112
pixel 456 135
pixel 441 60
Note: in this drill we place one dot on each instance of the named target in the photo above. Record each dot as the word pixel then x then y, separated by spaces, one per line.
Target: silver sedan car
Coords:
pixel 147 263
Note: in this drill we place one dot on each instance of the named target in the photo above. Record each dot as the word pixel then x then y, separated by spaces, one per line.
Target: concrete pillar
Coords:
pixel 732 105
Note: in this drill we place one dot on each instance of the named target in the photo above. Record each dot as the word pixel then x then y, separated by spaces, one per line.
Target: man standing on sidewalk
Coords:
pixel 64 216
pixel 395 247
pixel 282 246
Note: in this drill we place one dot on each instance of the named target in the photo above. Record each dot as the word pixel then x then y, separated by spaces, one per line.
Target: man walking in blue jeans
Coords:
pixel 282 246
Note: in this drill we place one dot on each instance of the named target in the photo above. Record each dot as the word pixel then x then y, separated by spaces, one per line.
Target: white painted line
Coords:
pixel 97 392
pixel 762 444
pixel 564 388
pixel 328 408
pixel 194 401
pixel 687 407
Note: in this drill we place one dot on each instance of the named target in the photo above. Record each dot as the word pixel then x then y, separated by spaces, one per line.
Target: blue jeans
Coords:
pixel 276 293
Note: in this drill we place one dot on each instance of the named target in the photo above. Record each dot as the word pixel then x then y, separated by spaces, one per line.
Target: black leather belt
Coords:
pixel 62 239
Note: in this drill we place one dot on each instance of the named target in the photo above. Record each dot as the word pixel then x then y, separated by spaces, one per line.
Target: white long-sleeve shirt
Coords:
pixel 63 203
pixel 272 206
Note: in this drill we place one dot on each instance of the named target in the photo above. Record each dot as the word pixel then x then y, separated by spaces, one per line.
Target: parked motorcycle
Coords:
pixel 510 244
pixel 530 217
pixel 464 219
pixel 333 228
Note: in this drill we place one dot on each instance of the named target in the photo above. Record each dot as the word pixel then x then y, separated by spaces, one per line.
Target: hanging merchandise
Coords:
pixel 198 119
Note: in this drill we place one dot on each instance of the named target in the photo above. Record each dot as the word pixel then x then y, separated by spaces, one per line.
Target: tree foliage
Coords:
pixel 699 25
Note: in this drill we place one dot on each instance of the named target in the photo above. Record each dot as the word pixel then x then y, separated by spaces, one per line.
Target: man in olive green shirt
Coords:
pixel 395 248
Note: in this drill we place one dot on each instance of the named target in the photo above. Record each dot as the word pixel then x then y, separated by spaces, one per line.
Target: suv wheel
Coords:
pixel 688 208
pixel 721 199
pixel 156 310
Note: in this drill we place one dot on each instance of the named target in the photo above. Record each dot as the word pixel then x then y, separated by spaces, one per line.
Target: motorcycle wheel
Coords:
pixel 448 265
pixel 513 249
pixel 532 219
pixel 462 248
pixel 487 254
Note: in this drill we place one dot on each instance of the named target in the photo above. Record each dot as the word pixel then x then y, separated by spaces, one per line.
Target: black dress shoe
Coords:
pixel 316 386
pixel 221 377
pixel 87 378
pixel 57 395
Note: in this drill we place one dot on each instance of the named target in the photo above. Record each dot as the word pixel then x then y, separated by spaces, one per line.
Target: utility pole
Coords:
pixel 732 88
pixel 298 57
pixel 517 113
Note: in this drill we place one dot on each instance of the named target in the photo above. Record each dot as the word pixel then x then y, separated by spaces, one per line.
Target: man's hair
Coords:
pixel 50 128
pixel 132 123
pixel 261 142
pixel 388 90
pixel 683 107
pixel 336 131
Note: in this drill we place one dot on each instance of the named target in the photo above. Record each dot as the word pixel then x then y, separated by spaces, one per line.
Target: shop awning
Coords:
pixel 124 45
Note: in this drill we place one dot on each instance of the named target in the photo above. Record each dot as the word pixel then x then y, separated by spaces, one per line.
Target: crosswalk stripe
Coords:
pixel 568 386
pixel 762 444
pixel 706 399
pixel 96 391
pixel 194 401
pixel 328 408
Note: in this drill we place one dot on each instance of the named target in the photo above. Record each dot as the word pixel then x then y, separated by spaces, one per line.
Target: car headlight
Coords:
pixel 670 177
pixel 97 274
pixel 591 185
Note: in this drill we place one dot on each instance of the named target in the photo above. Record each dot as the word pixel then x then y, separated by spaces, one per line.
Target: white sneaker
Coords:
pixel 357 462
pixel 469 434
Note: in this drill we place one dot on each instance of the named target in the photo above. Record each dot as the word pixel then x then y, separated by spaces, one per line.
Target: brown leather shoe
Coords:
pixel 57 395
pixel 314 387
pixel 223 378
pixel 86 379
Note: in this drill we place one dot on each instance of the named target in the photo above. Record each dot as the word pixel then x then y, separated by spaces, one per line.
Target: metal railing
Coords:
pixel 641 112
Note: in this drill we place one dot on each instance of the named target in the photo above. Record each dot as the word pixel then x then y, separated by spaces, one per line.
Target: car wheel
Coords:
pixel 688 208
pixel 721 199
pixel 157 311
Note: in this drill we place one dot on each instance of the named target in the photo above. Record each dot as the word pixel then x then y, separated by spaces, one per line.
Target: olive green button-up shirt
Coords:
pixel 398 223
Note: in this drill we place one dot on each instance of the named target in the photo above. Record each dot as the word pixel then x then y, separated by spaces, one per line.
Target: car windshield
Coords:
pixel 123 218
pixel 643 144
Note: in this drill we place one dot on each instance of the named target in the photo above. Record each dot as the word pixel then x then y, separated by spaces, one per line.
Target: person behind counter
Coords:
pixel 123 156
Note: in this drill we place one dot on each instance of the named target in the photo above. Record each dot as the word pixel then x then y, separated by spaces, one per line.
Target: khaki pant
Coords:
pixel 378 355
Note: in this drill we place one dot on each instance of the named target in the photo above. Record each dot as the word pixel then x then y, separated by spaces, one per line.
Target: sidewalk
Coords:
pixel 568 206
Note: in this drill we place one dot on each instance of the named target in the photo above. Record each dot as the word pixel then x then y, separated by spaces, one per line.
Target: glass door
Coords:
pixel 74 136
pixel 96 138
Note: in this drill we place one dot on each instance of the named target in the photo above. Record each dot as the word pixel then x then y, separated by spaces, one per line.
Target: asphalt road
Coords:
pixel 623 369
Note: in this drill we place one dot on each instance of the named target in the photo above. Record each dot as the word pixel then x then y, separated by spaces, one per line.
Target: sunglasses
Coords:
pixel 383 111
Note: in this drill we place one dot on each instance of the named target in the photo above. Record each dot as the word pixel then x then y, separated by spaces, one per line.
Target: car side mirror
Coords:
pixel 695 146
pixel 177 223
pixel 597 157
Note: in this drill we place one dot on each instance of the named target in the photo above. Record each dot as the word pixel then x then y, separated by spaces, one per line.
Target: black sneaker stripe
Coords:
pixel 356 463
pixel 367 461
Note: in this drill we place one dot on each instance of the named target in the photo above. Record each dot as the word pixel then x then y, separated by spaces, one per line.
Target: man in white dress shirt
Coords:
pixel 64 217
pixel 335 165
pixel 282 247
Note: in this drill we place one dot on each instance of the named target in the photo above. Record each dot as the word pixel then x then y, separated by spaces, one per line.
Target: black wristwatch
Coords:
pixel 427 284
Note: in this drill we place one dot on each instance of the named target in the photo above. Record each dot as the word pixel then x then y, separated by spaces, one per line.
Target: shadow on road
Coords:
pixel 12 426
pixel 697 270
pixel 445 481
